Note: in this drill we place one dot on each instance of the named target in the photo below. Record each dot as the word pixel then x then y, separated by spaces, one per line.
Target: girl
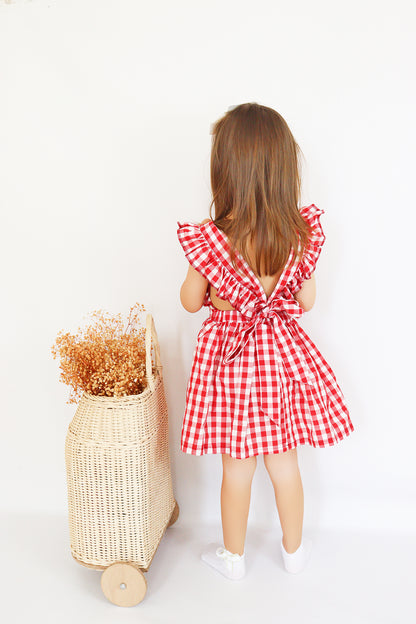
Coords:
pixel 258 384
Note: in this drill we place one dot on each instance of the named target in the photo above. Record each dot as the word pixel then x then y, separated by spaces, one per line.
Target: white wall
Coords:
pixel 104 145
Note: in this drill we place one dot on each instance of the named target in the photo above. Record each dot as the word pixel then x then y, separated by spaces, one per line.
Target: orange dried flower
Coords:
pixel 104 359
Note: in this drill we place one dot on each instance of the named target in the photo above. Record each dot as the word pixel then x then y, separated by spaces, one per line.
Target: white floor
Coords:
pixel 351 578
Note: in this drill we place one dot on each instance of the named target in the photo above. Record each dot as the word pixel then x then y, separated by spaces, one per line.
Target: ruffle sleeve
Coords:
pixel 199 254
pixel 312 251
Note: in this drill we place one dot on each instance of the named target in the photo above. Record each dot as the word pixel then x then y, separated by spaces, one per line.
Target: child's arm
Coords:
pixel 193 290
pixel 306 295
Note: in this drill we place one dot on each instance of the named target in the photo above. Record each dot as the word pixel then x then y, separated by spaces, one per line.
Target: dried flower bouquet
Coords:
pixel 104 359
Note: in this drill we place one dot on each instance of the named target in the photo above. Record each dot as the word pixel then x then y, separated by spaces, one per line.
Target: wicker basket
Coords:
pixel 120 495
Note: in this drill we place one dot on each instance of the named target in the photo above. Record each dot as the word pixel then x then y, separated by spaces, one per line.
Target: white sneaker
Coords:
pixel 295 562
pixel 231 565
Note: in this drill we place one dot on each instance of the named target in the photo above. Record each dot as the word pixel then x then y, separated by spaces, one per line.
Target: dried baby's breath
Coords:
pixel 106 358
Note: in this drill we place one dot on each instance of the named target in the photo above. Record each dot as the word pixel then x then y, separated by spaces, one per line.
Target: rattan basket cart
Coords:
pixel 120 497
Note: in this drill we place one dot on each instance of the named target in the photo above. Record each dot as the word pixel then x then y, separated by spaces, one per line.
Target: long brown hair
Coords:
pixel 256 187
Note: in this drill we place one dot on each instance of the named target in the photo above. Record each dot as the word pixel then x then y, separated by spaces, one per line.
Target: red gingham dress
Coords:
pixel 258 383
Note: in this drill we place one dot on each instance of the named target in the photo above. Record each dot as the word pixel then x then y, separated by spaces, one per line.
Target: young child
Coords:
pixel 258 384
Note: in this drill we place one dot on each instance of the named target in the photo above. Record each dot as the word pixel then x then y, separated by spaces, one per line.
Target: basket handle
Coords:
pixel 151 334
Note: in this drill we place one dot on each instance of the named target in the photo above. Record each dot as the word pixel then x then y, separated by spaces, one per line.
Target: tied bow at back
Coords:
pixel 267 342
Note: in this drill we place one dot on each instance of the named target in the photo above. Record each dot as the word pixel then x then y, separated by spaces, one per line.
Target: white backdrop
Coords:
pixel 105 109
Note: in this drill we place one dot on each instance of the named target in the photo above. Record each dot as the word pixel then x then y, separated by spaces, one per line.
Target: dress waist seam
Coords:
pixel 226 315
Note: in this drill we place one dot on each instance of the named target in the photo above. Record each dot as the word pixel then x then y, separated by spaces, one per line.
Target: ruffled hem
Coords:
pixel 311 425
pixel 307 440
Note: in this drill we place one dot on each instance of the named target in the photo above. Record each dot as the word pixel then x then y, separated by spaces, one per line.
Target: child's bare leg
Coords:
pixel 287 484
pixel 235 500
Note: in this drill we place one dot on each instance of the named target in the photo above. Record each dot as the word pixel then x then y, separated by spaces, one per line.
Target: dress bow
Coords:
pixel 267 342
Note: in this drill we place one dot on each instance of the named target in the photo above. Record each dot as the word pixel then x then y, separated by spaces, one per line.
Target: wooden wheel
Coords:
pixel 175 515
pixel 124 584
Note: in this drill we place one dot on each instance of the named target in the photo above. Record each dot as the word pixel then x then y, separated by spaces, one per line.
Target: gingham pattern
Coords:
pixel 258 383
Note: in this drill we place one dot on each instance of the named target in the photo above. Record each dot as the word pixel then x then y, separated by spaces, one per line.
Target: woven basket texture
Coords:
pixel 120 496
